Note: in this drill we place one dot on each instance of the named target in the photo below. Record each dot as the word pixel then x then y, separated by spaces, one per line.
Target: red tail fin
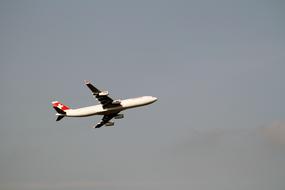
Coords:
pixel 60 105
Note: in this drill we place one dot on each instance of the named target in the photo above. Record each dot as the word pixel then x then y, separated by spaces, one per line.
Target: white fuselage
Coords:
pixel 99 110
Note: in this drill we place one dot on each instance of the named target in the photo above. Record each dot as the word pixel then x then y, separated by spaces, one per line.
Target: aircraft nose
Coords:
pixel 154 98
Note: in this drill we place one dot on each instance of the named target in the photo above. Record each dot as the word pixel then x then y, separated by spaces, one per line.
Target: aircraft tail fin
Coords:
pixel 61 106
pixel 60 109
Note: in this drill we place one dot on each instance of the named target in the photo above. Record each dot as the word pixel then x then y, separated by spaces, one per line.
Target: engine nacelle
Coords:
pixel 117 102
pixel 119 116
pixel 104 93
pixel 109 123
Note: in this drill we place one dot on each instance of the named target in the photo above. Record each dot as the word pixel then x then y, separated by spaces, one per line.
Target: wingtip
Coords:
pixel 87 81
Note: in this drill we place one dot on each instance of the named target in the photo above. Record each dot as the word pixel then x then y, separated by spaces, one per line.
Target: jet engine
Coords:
pixel 109 123
pixel 119 116
pixel 104 93
pixel 117 102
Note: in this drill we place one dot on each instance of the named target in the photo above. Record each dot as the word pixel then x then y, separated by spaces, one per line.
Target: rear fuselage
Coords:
pixel 100 110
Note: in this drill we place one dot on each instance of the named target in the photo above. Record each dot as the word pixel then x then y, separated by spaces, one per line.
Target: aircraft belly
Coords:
pixel 89 111
pixel 132 104
pixel 107 111
pixel 82 112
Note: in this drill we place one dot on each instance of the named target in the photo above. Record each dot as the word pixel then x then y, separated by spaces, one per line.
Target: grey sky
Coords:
pixel 218 64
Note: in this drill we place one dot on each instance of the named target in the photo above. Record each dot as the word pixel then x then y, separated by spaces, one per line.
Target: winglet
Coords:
pixel 87 81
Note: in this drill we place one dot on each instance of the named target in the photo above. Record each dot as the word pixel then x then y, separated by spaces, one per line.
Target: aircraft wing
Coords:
pixel 102 97
pixel 106 119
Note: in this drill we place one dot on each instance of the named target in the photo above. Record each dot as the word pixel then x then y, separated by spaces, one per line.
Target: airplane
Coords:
pixel 108 107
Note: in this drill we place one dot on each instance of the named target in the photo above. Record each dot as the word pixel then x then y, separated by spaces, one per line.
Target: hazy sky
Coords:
pixel 217 68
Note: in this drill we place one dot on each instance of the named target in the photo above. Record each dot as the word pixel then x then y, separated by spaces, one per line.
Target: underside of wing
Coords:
pixel 106 120
pixel 101 96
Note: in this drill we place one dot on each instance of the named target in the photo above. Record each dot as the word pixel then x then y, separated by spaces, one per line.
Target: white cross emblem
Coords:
pixel 60 106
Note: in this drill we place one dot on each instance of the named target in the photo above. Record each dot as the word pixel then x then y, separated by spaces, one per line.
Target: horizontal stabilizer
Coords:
pixel 59 117
pixel 59 110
